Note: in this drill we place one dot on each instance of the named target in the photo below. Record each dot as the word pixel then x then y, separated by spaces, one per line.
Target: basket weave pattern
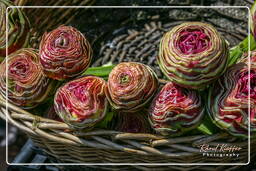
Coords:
pixel 106 146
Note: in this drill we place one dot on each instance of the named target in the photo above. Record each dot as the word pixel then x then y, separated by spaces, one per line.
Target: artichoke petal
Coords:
pixel 131 86
pixel 27 85
pixel 175 110
pixel 64 53
pixel 229 97
pixel 253 20
pixel 81 103
pixel 18 29
pixel 193 54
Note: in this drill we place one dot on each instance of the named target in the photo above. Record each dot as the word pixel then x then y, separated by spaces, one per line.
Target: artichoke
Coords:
pixel 27 85
pixel 81 103
pixel 228 100
pixel 130 86
pixel 18 29
pixel 175 110
pixel 132 122
pixel 244 58
pixel 193 54
pixel 64 53
pixel 253 20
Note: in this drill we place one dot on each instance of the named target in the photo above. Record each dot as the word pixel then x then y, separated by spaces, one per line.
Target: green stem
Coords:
pixel 102 71
pixel 207 127
pixel 105 123
pixel 244 44
pixel 237 51
pixel 235 54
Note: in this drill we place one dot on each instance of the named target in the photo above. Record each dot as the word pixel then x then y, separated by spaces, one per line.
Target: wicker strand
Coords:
pixel 175 140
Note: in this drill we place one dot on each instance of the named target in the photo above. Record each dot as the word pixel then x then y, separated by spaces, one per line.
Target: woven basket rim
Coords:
pixel 38 126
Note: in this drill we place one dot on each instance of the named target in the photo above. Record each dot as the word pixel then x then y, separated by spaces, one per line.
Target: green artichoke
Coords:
pixel 228 100
pixel 27 85
pixel 130 86
pixel 64 53
pixel 175 110
pixel 18 29
pixel 81 103
pixel 193 54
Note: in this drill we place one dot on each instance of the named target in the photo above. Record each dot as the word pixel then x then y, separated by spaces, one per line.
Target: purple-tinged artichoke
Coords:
pixel 64 53
pixel 193 54
pixel 82 103
pixel 27 85
pixel 132 122
pixel 130 86
pixel 253 20
pixel 175 110
pixel 18 29
pixel 228 101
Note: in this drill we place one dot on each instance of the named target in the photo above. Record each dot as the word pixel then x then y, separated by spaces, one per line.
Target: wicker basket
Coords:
pixel 108 146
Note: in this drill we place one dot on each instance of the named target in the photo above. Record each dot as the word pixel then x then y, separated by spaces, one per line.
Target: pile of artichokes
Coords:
pixel 195 58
